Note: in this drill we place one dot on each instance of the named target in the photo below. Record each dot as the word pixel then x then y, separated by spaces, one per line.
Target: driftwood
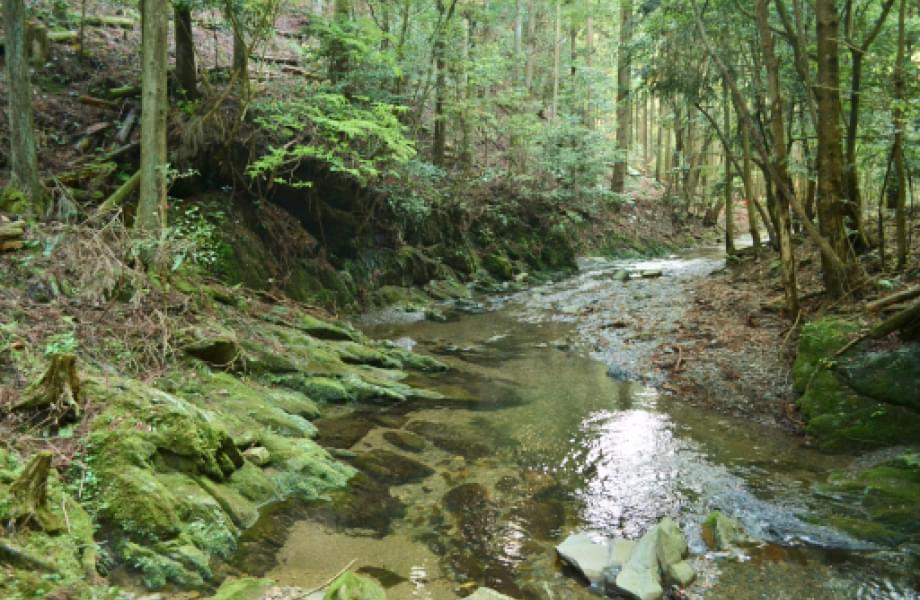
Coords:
pixel 29 494
pixel 58 390
pixel 893 299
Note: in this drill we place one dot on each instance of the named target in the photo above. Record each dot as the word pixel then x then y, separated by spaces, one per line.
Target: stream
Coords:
pixel 563 430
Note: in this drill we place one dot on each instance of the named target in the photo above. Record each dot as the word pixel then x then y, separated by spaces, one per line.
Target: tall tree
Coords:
pixel 899 124
pixel 151 208
pixel 23 157
pixel 624 75
pixel 186 72
pixel 830 198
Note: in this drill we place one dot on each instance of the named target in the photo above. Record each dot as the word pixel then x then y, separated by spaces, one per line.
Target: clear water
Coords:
pixel 556 445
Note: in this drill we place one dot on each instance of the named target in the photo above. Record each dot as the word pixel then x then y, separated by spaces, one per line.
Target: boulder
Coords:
pixel 640 577
pixel 681 573
pixel 672 545
pixel 593 556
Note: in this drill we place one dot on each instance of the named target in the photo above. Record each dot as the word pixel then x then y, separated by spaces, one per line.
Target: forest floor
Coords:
pixel 736 345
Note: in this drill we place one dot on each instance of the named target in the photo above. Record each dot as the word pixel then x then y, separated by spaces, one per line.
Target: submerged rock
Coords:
pixel 466 497
pixel 405 440
pixel 392 468
pixel 245 588
pixel 721 532
pixel 464 441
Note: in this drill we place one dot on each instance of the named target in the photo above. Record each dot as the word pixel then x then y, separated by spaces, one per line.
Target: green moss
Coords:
pixel 841 420
pixel 879 503
pixel 499 266
pixel 354 587
pixel 246 588
pixel 818 342
pixel 325 389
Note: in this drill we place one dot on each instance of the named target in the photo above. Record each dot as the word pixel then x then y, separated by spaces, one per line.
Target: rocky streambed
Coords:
pixel 554 427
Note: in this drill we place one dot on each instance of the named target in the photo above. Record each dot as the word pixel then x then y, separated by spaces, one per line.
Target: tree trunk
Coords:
pixel 151 207
pixel 531 45
pixel 186 73
pixel 518 37
pixel 779 158
pixel 618 181
pixel 746 178
pixel 899 125
pixel 729 205
pixel 439 142
pixel 589 63
pixel 23 157
pixel 830 157
pixel 557 50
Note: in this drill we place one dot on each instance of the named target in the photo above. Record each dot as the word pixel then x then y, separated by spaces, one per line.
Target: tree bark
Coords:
pixel 151 207
pixel 830 158
pixel 186 72
pixel 531 45
pixel 729 205
pixel 29 494
pixel 779 158
pixel 899 124
pixel 23 157
pixel 557 50
pixel 439 143
pixel 618 180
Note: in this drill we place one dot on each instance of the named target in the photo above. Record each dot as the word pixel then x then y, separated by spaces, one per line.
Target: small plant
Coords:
pixel 63 342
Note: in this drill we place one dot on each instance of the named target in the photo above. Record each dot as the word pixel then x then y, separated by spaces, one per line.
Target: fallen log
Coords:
pixel 10 245
pixel 20 558
pixel 906 321
pixel 110 21
pixel 124 131
pixel 98 102
pixel 12 231
pixel 124 91
pixel 63 36
pixel 901 296
pixel 119 195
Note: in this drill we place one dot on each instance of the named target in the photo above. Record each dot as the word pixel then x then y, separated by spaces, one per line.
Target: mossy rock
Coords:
pixel 841 420
pixel 892 377
pixel 879 503
pixel 326 389
pixel 499 266
pixel 818 342
pixel 447 289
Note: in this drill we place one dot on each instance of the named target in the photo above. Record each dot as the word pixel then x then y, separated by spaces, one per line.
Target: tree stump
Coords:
pixel 58 391
pixel 30 495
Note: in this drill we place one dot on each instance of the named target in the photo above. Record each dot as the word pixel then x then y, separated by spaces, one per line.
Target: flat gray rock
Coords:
pixel 487 594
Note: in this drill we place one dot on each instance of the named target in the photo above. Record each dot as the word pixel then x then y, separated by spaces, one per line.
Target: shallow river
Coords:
pixel 555 444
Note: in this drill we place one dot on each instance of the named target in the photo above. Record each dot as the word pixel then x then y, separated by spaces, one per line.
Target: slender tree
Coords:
pixel 186 71
pixel 624 75
pixel 151 208
pixel 23 157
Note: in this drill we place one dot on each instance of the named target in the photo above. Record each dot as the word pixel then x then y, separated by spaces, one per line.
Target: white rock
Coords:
pixel 592 555
pixel 640 577
pixel 487 594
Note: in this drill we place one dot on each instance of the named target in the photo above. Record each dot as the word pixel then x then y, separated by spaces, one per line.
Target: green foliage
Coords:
pixel 352 136
pixel 64 341
pixel 196 237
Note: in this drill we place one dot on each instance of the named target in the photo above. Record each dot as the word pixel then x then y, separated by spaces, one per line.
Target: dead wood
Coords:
pixel 58 391
pixel 30 495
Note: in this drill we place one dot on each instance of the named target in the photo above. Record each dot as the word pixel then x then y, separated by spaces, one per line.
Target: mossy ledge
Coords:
pixel 170 470
pixel 861 400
